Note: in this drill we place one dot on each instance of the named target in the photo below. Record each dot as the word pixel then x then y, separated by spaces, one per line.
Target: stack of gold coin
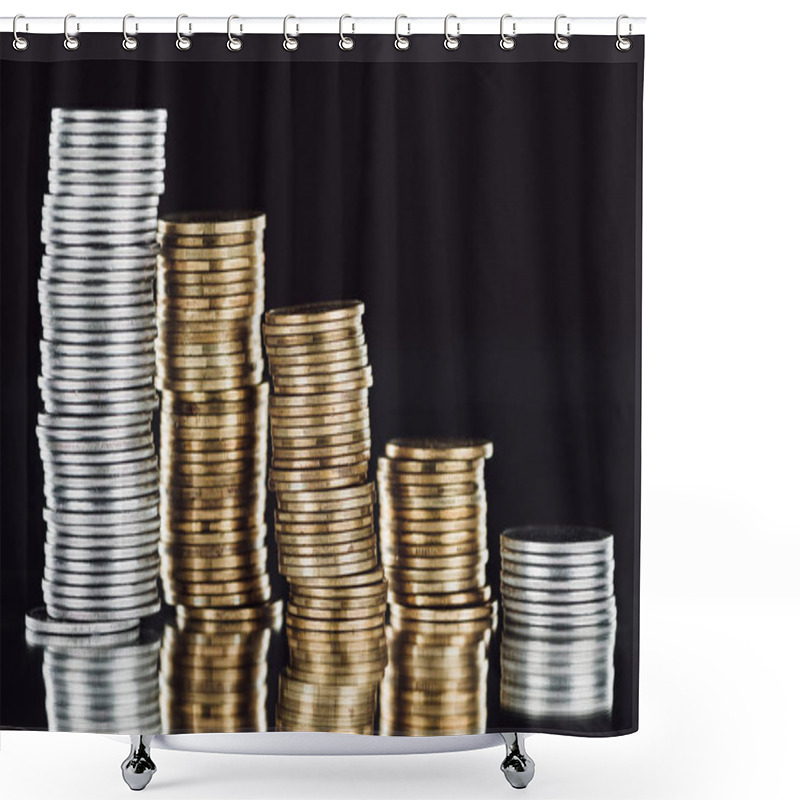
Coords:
pixel 433 528
pixel 319 417
pixel 332 682
pixel 214 410
pixel 213 675
pixel 435 684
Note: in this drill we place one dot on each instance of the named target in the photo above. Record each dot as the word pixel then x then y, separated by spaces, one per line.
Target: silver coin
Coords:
pixel 556 540
pixel 99 579
pixel 97 458
pixel 64 487
pixel 101 202
pixel 57 239
pixel 107 566
pixel 104 614
pixel 111 124
pixel 106 189
pixel 135 376
pixel 108 153
pixel 121 366
pixel 99 281
pixel 557 588
pixel 91 539
pixel 60 165
pixel 113 114
pixel 538 656
pixel 70 306
pixel 100 501
pixel 602 569
pixel 103 350
pixel 99 254
pixel 72 331
pixel 55 225
pixel 57 592
pixel 38 621
pixel 558 682
pixel 61 606
pixel 534 569
pixel 101 390
pixel 58 423
pixel 141 528
pixel 85 660
pixel 90 447
pixel 105 471
pixel 116 294
pixel 54 406
pixel 559 628
pixel 122 431
pixel 569 561
pixel 551 698
pixel 106 177
pixel 69 518
pixel 566 598
pixel 113 263
pixel 35 639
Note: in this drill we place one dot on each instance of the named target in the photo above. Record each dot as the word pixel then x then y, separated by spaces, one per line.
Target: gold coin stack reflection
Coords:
pixel 433 529
pixel 435 684
pixel 213 674
pixel 214 409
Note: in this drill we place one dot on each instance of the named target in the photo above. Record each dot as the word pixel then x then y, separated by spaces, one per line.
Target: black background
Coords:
pixel 485 205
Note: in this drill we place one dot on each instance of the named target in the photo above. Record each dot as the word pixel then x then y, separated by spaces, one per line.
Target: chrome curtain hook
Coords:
pixel 346 42
pixel 20 42
pixel 623 43
pixel 234 43
pixel 561 42
pixel 451 42
pixel 507 42
pixel 129 42
pixel 401 42
pixel 289 42
pixel 182 42
pixel 71 42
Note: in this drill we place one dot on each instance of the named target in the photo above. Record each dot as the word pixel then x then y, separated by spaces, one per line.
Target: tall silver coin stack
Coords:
pixel 98 364
pixel 105 684
pixel 560 620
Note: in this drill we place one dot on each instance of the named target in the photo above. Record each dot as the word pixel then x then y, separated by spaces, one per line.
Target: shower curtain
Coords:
pixel 403 289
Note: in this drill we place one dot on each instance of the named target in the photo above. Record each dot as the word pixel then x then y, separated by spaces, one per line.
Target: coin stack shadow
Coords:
pixel 324 525
pixel 213 675
pixel 213 435
pixel 559 629
pixel 435 684
pixel 97 367
pixel 103 684
pixel 433 529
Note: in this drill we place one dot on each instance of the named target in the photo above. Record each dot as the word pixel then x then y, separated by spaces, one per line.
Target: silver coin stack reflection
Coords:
pixel 98 364
pixel 560 617
pixel 107 684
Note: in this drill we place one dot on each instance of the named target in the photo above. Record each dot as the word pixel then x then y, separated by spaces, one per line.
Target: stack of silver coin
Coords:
pixel 98 365
pixel 560 618
pixel 102 687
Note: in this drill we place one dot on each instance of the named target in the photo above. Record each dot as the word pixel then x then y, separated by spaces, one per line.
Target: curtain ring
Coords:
pixel 401 42
pixel 507 42
pixel 346 42
pixel 129 42
pixel 20 42
pixel 234 43
pixel 561 43
pixel 70 42
pixel 451 42
pixel 623 44
pixel 182 42
pixel 289 42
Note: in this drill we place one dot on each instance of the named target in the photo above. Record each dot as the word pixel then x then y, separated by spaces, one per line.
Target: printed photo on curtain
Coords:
pixel 320 384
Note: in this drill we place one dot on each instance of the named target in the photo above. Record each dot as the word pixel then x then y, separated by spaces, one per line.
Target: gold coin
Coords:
pixel 203 576
pixel 283 423
pixel 303 624
pixel 375 600
pixel 201 318
pixel 179 335
pixel 319 457
pixel 166 288
pixel 298 572
pixel 397 555
pixel 253 261
pixel 362 504
pixel 173 240
pixel 413 480
pixel 473 626
pixel 344 353
pixel 248 554
pixel 365 492
pixel 396 539
pixel 211 281
pixel 329 369
pixel 214 349
pixel 223 525
pixel 324 517
pixel 318 433
pixel 376 587
pixel 440 599
pixel 351 613
pixel 217 600
pixel 284 334
pixel 356 396
pixel 314 312
pixel 460 614
pixel 432 574
pixel 344 529
pixel 456 490
pixel 475 524
pixel 405 587
pixel 250 250
pixel 245 429
pixel 460 512
pixel 356 339
pixel 421 449
pixel 324 539
pixel 400 504
pixel 223 469
pixel 171 305
pixel 211 223
pixel 205 495
pixel 321 382
pixel 320 553
pixel 323 485
pixel 358 436
pixel 287 475
pixel 253 537
pixel 258 613
pixel 313 415
pixel 236 421
pixel 254 583
pixel 402 467
pixel 215 385
pixel 433 563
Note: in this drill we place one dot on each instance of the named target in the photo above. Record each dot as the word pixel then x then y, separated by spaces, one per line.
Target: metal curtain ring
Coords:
pixel 182 42
pixel 234 43
pixel 20 42
pixel 507 42
pixel 289 42
pixel 129 42
pixel 451 42
pixel 70 42
pixel 346 42
pixel 401 42
pixel 623 43
pixel 561 42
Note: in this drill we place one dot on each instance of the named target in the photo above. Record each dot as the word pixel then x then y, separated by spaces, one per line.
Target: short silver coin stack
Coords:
pixel 97 369
pixel 560 619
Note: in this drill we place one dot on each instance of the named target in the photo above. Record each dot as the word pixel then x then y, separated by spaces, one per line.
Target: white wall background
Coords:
pixel 720 702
